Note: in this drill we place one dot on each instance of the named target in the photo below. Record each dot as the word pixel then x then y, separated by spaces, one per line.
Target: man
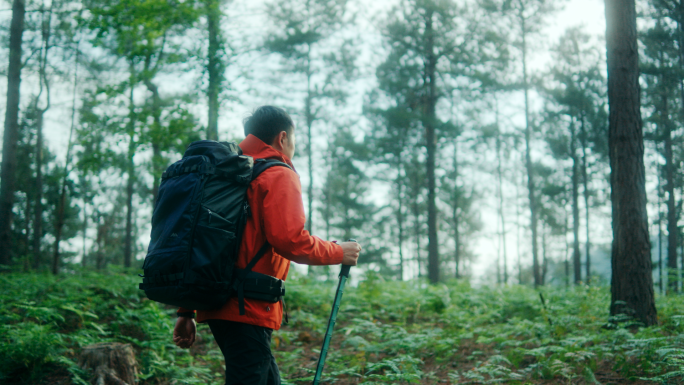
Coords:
pixel 277 216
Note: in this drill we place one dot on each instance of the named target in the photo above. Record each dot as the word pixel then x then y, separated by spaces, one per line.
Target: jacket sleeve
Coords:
pixel 283 221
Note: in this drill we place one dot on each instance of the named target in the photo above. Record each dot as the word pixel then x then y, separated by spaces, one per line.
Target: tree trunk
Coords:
pixel 454 215
pixel 566 260
pixel 517 220
pixel 85 220
pixel 27 233
pixel 215 66
pixel 62 196
pixel 576 257
pixel 38 202
pixel 400 216
pixel 631 282
pixel 110 363
pixel 156 138
pixel 528 156
pixel 416 229
pixel 431 144
pixel 309 123
pixel 44 85
pixel 585 183
pixel 11 133
pixel 545 261
pixel 672 229
pixel 130 171
pixel 499 171
pixel 660 236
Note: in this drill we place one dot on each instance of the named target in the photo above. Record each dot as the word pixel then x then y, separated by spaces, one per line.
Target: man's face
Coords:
pixel 289 145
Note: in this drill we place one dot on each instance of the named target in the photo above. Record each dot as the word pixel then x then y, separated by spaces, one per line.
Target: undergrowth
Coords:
pixel 387 333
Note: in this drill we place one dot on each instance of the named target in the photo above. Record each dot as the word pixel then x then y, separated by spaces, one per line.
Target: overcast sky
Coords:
pixel 588 13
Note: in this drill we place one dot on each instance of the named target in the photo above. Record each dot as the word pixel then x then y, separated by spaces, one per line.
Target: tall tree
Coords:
pixel 527 18
pixel 661 65
pixel 215 64
pixel 11 133
pixel 576 93
pixel 305 35
pixel 39 111
pixel 145 34
pixel 430 43
pixel 631 282
pixel 391 140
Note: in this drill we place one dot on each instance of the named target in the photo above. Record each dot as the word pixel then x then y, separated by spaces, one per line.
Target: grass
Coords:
pixel 387 333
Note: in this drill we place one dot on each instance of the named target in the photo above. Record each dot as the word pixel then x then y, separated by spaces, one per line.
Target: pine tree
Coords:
pixel 305 34
pixel 430 42
pixel 9 144
pixel 576 95
pixel 661 65
pixel 526 19
pixel 632 282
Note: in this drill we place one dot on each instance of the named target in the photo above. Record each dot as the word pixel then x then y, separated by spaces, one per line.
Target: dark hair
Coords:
pixel 266 122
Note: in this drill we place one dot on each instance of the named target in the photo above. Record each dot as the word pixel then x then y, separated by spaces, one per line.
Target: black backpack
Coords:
pixel 197 226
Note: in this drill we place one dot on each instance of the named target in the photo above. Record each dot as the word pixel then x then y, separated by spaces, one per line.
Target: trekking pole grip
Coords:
pixel 345 268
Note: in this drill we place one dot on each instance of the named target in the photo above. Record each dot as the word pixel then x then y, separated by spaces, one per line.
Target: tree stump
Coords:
pixel 111 363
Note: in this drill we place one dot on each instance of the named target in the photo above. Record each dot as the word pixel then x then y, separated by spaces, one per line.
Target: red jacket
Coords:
pixel 275 199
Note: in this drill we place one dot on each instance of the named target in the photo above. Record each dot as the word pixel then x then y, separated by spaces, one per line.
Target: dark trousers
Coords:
pixel 247 350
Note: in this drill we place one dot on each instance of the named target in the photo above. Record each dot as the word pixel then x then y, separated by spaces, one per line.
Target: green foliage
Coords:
pixel 387 332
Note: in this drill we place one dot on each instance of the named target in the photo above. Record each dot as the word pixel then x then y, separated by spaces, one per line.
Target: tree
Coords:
pixel 631 282
pixel 661 65
pixel 527 17
pixel 146 35
pixel 576 95
pixel 346 211
pixel 9 144
pixel 215 64
pixel 430 43
pixel 305 35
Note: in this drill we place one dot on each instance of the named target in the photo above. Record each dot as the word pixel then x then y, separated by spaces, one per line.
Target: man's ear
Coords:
pixel 279 140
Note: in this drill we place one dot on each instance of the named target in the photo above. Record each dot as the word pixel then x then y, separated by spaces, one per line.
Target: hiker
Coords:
pixel 277 217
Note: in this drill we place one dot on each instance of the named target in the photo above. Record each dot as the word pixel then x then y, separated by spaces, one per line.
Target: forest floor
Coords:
pixel 387 333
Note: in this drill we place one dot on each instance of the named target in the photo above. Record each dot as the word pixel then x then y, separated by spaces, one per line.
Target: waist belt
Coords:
pixel 259 286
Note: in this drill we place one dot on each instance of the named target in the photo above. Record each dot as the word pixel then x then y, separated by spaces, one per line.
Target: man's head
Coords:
pixel 274 127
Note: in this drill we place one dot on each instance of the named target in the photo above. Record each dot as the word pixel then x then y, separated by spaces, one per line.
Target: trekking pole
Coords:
pixel 344 274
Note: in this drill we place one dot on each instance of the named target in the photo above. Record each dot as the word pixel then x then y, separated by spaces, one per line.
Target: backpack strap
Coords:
pixel 260 165
pixel 240 281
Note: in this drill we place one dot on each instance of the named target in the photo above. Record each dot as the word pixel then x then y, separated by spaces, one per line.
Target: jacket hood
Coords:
pixel 257 149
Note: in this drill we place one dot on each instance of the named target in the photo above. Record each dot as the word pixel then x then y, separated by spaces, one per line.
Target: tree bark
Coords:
pixel 499 170
pixel 660 236
pixel 156 133
pixel 110 363
pixel 631 282
pixel 62 195
pixel 576 257
pixel 215 66
pixel 672 230
pixel 38 202
pixel 400 215
pixel 454 214
pixel 585 183
pixel 44 85
pixel 11 133
pixel 309 123
pixel 528 154
pixel 431 144
pixel 130 171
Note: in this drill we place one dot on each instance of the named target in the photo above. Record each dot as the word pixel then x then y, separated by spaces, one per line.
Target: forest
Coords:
pixel 517 189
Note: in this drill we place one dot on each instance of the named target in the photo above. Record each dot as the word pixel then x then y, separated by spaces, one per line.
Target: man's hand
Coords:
pixel 351 253
pixel 184 332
